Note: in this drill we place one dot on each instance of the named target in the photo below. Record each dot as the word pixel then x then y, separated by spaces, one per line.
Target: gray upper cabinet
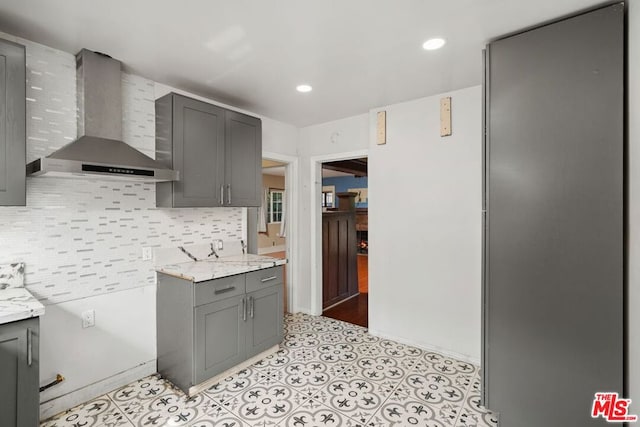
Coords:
pixel 19 373
pixel 217 153
pixel 12 124
pixel 243 159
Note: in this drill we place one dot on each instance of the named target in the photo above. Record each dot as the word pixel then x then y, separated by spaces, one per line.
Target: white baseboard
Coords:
pixel 271 249
pixel 433 348
pixel 62 403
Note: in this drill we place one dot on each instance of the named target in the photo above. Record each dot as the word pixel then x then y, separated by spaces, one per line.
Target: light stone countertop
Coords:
pixel 215 268
pixel 18 304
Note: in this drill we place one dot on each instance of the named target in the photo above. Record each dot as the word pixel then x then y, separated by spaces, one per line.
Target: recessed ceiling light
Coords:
pixel 304 88
pixel 433 44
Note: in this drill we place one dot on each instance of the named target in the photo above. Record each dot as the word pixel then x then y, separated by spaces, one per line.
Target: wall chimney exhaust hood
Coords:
pixel 99 151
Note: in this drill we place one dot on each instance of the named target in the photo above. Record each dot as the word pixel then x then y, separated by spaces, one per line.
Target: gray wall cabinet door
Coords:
pixel 198 152
pixel 19 373
pixel 219 336
pixel 554 261
pixel 265 319
pixel 243 160
pixel 12 124
pixel 190 139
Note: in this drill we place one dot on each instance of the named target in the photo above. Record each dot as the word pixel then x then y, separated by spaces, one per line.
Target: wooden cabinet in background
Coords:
pixel 339 252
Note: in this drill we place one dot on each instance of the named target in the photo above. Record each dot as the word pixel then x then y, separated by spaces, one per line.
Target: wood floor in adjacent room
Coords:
pixel 355 310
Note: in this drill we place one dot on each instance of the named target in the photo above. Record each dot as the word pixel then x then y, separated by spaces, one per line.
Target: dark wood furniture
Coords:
pixel 339 252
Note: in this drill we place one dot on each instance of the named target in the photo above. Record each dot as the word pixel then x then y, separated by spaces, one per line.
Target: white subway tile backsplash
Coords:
pixel 81 238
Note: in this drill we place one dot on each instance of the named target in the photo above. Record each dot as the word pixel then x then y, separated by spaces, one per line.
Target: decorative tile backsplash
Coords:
pixel 81 238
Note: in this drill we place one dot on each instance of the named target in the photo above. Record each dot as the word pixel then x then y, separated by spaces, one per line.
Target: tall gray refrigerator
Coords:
pixel 553 282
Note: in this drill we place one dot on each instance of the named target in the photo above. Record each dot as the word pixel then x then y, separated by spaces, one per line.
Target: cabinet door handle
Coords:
pixel 228 194
pixel 223 290
pixel 251 302
pixel 29 347
pixel 268 279
pixel 222 194
pixel 244 309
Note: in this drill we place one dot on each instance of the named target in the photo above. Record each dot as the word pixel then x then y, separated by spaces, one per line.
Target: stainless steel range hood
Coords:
pixel 99 150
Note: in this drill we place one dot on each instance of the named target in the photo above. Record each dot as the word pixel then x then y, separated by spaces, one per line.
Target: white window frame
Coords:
pixel 270 206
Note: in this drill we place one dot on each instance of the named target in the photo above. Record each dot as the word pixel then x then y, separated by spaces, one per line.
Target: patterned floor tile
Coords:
pixel 358 398
pixel 264 405
pixel 98 412
pixel 274 361
pixel 472 412
pixel 331 338
pixel 412 413
pixel 303 340
pixel 394 349
pixel 306 377
pixel 369 349
pixel 236 383
pixel 334 353
pixel 448 365
pixel 314 414
pixel 358 336
pixel 171 408
pixel 326 373
pixel 433 388
pixel 145 389
pixel 217 416
pixel 305 354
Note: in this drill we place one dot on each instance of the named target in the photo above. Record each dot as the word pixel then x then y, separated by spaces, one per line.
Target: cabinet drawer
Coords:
pixel 218 289
pixel 263 278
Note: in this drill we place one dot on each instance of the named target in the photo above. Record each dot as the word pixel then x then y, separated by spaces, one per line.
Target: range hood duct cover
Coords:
pixel 99 149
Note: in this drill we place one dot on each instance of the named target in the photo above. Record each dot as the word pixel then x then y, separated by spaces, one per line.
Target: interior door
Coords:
pixel 554 213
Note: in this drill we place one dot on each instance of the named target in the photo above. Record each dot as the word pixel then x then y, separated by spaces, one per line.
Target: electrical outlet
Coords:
pixel 219 245
pixel 147 254
pixel 88 318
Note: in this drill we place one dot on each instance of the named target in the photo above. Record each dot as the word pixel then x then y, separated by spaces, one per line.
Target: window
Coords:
pixel 274 206
pixel 327 199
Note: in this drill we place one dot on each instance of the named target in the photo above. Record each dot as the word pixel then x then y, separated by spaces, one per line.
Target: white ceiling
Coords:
pixel 357 54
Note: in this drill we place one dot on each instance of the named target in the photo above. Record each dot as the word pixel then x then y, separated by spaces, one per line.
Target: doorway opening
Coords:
pixel 275 220
pixel 345 240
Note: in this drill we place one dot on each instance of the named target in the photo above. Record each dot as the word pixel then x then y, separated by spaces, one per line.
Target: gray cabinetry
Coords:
pixel 243 159
pixel 265 319
pixel 217 153
pixel 219 332
pixel 19 373
pixel 206 328
pixel 554 276
pixel 12 124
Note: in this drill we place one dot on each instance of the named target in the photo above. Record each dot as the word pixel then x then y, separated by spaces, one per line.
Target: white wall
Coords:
pixel 633 203
pixel 425 225
pixel 347 137
pixel 124 338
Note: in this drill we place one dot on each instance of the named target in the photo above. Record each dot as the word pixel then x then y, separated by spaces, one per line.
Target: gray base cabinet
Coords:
pixel 217 152
pixel 12 124
pixel 19 373
pixel 206 328
pixel 220 337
